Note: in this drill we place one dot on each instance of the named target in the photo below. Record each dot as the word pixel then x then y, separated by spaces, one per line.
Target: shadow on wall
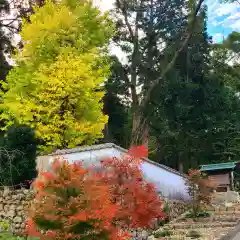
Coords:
pixel 170 192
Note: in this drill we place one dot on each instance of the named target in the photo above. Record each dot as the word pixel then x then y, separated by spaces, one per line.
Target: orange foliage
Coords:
pixel 71 203
pixel 137 199
pixel 75 202
pixel 200 188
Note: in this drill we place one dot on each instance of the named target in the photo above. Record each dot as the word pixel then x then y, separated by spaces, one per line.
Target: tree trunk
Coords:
pixel 140 130
pixel 180 166
pixel 106 133
pixel 136 120
pixel 145 137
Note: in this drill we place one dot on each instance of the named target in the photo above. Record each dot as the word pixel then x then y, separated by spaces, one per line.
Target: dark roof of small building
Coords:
pixel 111 145
pixel 218 166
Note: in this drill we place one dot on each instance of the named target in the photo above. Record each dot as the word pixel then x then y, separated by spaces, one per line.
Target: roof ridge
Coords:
pixel 81 148
pixel 218 163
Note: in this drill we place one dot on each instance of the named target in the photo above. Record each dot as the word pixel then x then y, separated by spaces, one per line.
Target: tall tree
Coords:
pixel 5 40
pixel 144 27
pixel 117 129
pixel 55 88
pixel 12 12
pixel 198 108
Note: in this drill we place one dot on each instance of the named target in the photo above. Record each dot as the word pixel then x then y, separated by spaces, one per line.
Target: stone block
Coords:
pixel 11 214
pixel 17 219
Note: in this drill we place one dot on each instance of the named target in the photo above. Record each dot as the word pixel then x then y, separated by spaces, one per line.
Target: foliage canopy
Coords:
pixel 56 85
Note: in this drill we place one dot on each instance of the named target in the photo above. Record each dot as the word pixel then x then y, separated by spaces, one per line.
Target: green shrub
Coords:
pixel 193 234
pixel 166 210
pixel 163 233
pixel 4 226
pixel 8 236
pixel 197 215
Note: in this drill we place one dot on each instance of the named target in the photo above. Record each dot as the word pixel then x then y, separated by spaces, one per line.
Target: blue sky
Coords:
pixel 223 18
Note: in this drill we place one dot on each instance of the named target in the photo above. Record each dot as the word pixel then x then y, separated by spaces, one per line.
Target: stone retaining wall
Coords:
pixel 14 205
pixel 175 209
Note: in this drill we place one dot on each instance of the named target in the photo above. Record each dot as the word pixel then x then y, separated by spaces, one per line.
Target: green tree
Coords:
pixel 227 137
pixel 199 112
pixel 182 97
pixel 118 128
pixel 56 87
pixel 5 43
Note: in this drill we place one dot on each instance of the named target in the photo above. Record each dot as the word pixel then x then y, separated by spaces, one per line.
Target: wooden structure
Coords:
pixel 222 175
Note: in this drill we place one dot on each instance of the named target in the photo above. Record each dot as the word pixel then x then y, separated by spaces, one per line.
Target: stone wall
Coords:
pixel 14 205
pixel 176 208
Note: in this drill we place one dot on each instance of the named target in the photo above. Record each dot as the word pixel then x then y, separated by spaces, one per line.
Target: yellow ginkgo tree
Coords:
pixel 56 86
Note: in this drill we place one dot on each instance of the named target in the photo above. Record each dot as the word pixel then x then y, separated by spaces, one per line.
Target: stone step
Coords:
pixel 226 213
pixel 175 238
pixel 206 234
pixel 225 218
pixel 200 225
pixel 222 208
pixel 217 218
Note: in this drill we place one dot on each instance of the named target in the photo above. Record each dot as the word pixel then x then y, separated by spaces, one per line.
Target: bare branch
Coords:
pixel 122 6
pixel 10 156
pixel 9 25
pixel 237 1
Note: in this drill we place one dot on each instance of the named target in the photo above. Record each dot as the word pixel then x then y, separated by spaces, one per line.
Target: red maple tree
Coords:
pixel 71 203
pixel 200 188
pixel 74 202
pixel 138 201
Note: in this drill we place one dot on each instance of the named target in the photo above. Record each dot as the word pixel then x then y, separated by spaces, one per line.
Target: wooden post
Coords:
pixel 232 181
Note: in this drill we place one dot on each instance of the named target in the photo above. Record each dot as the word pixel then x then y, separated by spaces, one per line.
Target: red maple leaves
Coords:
pixel 75 202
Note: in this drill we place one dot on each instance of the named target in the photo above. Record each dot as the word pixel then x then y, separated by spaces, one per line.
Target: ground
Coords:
pixel 220 221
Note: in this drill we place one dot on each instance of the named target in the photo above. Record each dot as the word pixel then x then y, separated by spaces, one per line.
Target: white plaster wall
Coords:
pixel 168 184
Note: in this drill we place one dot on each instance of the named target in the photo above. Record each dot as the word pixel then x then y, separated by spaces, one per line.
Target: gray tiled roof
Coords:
pixel 111 145
pixel 83 149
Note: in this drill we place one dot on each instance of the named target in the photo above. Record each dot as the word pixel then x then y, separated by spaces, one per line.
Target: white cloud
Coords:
pixel 229 13
pixel 234 17
pixel 226 9
pixel 215 23
pixel 233 22
pixel 235 25
pixel 218 37
pixel 218 9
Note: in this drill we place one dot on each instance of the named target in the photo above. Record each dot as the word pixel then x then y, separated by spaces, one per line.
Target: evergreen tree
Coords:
pixel 11 26
pixel 5 41
pixel 117 129
pixel 183 95
pixel 199 109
